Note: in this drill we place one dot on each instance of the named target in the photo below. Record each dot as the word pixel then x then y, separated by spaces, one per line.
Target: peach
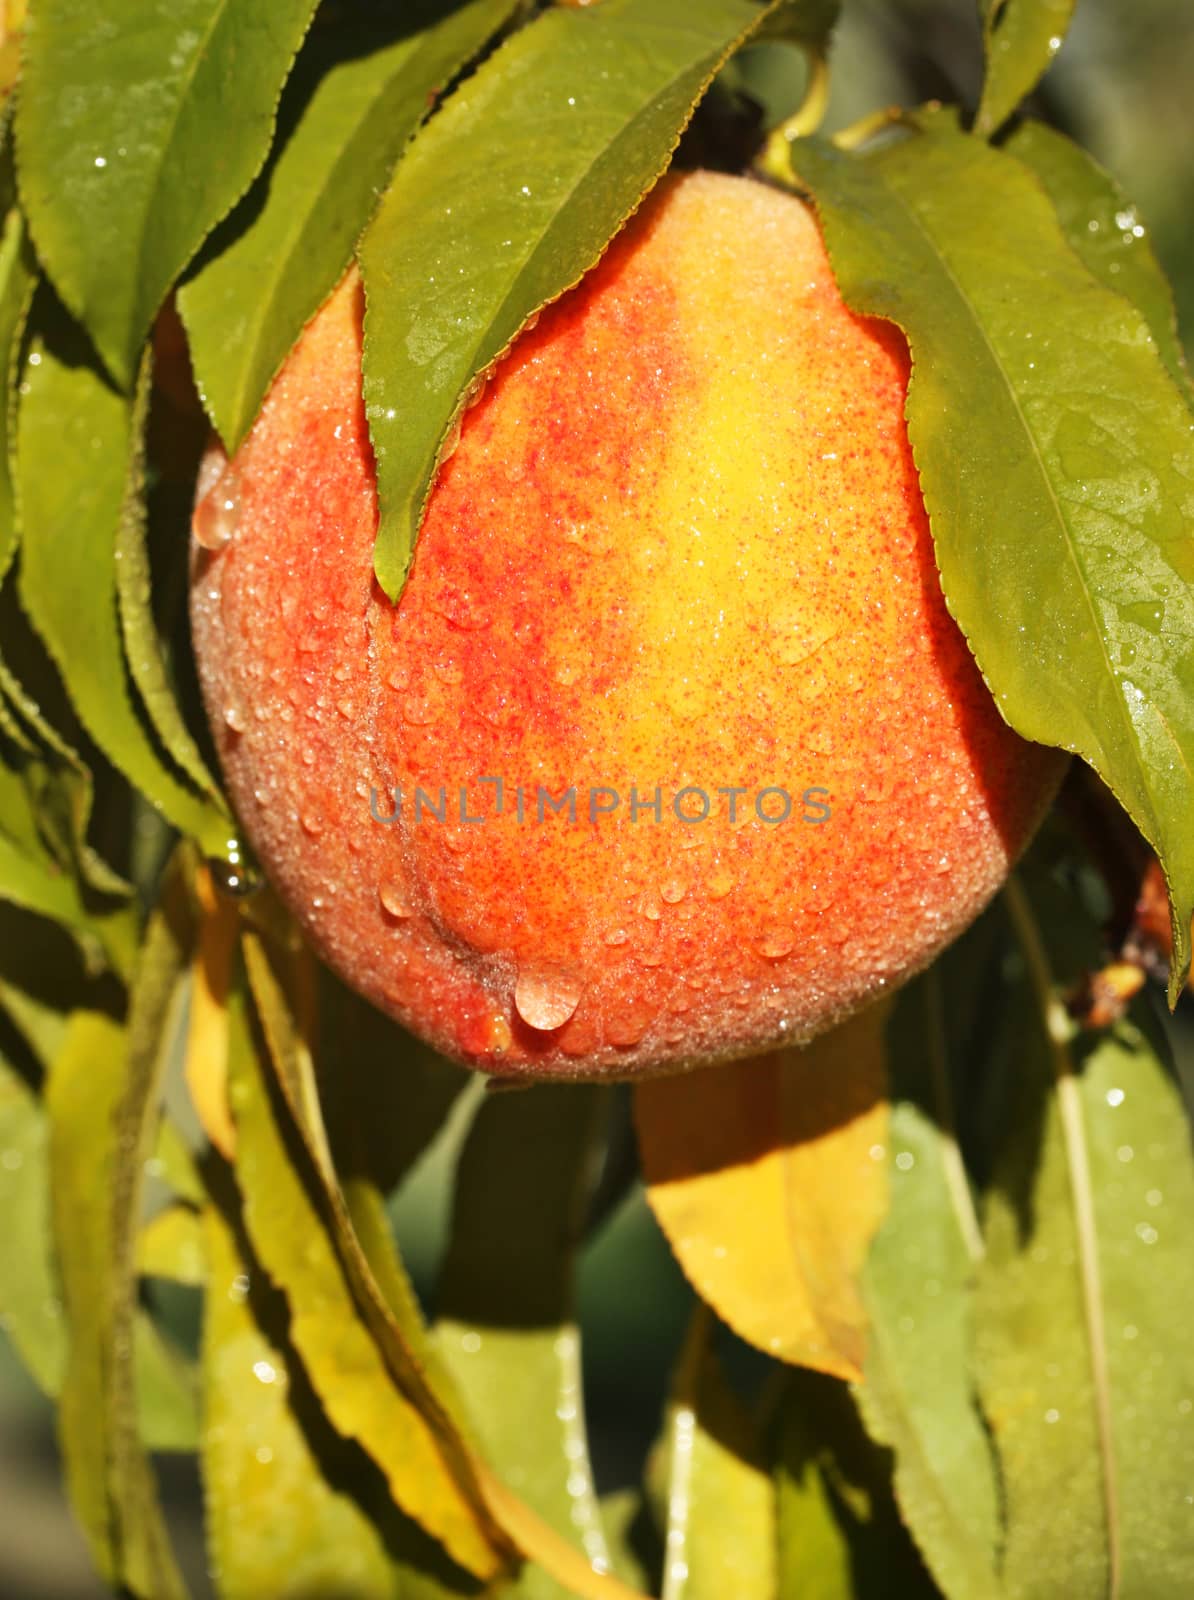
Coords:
pixel 669 750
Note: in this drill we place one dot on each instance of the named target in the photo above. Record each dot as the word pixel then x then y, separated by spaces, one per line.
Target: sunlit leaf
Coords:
pixel 581 110
pixel 506 1321
pixel 717 1493
pixel 260 1424
pixel 762 1176
pixel 171 1246
pixel 840 1536
pixel 138 127
pixel 1072 501
pixel 351 104
pixel 287 1218
pixel 1021 37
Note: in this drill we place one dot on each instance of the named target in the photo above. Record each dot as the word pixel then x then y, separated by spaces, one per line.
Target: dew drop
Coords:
pixel 672 892
pixel 546 996
pixel 393 901
pixel 217 514
pixel 234 718
pixel 775 946
pixel 311 823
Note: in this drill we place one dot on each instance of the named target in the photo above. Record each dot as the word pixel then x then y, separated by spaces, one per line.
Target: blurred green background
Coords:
pixel 1122 86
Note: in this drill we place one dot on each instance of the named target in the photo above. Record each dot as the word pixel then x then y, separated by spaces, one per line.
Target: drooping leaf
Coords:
pixel 167 1392
pixel 98 1112
pixel 506 1322
pixel 918 1395
pixel 343 123
pixel 74 447
pixel 840 1536
pixel 142 645
pixel 714 1485
pixel 37 884
pixel 30 1305
pixel 1084 1371
pixel 259 1453
pixel 1072 502
pixel 17 278
pixel 581 111
pixel 293 1230
pixel 1102 225
pixel 138 127
pixel 761 1175
pixel 1021 38
pixel 384 1313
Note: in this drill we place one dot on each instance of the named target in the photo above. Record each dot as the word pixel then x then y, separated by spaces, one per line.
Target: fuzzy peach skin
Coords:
pixel 680 545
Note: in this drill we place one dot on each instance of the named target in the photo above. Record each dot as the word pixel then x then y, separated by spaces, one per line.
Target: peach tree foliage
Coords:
pixel 951 1228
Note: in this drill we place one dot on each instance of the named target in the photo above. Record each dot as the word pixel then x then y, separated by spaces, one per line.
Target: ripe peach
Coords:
pixel 679 548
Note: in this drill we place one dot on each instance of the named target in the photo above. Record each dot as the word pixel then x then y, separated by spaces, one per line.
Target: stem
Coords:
pixel 1060 1031
pixel 956 1180
pixel 774 160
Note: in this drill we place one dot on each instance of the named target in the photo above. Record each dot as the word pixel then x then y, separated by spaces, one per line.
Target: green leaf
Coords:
pixel 918 1391
pixel 266 1445
pixel 139 125
pixel 99 1100
pixel 1021 38
pixel 839 1535
pixel 580 112
pixel 352 102
pixel 30 1306
pixel 74 448
pixel 1101 224
pixel 38 884
pixel 143 647
pixel 1086 1374
pixel 366 1369
pixel 171 1246
pixel 167 1392
pixel 1062 524
pixel 506 1321
pixel 718 1493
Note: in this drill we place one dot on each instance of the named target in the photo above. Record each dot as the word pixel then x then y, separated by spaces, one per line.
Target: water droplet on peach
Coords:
pixel 546 996
pixel 234 718
pixel 217 514
pixel 393 900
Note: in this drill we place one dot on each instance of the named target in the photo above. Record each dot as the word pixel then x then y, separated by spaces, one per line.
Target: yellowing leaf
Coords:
pixel 206 1068
pixel 761 1175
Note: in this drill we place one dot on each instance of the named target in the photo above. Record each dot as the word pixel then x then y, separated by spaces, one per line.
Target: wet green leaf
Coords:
pixel 581 110
pixel 718 1495
pixel 1085 1372
pixel 74 447
pixel 138 127
pixel 1062 525
pixel 366 1369
pixel 351 104
pixel 506 1322
pixel 840 1536
pixel 918 1396
pixel 1021 38
pixel 1102 225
